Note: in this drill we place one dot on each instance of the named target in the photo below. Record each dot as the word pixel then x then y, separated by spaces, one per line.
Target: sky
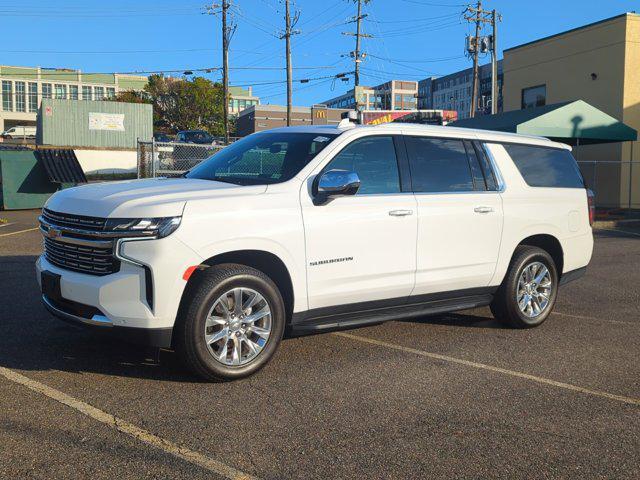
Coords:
pixel 411 39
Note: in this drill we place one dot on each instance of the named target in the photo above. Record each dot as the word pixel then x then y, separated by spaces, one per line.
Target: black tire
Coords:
pixel 505 306
pixel 199 300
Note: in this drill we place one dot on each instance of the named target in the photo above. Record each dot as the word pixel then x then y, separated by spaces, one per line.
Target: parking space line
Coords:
pixel 620 231
pixel 19 231
pixel 127 428
pixel 2 225
pixel 595 319
pixel 482 366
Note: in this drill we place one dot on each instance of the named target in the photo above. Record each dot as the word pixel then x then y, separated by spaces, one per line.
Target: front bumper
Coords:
pixel 153 337
pixel 140 300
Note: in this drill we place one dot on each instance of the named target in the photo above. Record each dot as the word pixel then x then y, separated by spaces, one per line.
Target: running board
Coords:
pixel 313 323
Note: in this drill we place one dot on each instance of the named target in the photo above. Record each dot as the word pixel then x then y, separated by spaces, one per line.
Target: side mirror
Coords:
pixel 335 183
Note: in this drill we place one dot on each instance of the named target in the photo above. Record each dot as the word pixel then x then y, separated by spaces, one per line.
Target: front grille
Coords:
pixel 93 224
pixel 74 242
pixel 81 258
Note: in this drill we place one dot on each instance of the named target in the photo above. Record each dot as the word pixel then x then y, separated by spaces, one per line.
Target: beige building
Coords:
pixel 600 64
pixel 23 88
pixel 241 98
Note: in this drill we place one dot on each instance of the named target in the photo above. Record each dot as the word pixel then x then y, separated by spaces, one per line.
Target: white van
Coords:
pixel 20 132
pixel 309 229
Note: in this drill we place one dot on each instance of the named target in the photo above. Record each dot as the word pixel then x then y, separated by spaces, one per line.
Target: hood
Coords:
pixel 158 197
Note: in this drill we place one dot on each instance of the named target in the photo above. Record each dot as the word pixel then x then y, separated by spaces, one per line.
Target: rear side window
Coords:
pixel 439 165
pixel 546 167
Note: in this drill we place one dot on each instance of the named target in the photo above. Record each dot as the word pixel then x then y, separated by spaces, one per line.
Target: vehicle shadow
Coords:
pixel 33 340
pixel 477 318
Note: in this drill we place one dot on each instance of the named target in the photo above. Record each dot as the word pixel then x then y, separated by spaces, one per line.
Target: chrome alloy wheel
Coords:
pixel 534 289
pixel 238 326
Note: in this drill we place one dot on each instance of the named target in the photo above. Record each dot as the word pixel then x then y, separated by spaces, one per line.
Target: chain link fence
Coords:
pixel 615 184
pixel 171 159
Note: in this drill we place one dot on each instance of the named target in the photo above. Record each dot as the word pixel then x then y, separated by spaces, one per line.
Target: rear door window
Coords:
pixel 546 167
pixel 439 165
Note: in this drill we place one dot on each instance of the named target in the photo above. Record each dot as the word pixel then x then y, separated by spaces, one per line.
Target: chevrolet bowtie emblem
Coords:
pixel 53 233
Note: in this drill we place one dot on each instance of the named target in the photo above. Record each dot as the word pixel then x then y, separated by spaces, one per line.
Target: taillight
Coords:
pixel 592 206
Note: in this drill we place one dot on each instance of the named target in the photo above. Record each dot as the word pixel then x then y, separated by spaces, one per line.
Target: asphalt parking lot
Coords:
pixel 449 396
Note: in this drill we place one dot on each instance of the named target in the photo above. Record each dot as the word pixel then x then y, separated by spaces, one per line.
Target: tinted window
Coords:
pixel 262 158
pixel 489 174
pixel 534 96
pixel 438 165
pixel 374 160
pixel 476 171
pixel 546 167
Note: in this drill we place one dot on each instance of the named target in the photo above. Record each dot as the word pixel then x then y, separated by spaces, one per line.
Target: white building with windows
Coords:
pixel 22 89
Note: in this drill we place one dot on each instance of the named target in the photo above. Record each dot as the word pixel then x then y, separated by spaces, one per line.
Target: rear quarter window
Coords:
pixel 546 167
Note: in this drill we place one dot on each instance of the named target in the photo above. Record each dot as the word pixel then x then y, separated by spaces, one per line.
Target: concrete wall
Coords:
pixel 107 161
pixel 565 63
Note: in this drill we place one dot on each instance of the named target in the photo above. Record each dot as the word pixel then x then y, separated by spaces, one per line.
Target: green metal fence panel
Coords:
pixel 24 180
pixel 80 123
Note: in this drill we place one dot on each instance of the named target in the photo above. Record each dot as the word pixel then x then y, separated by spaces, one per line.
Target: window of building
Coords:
pixel 21 97
pixel 98 93
pixel 546 167
pixel 439 165
pixel 61 91
pixel 111 93
pixel 46 90
pixel 374 160
pixel 33 97
pixel 86 93
pixel 7 96
pixel 73 92
pixel 534 96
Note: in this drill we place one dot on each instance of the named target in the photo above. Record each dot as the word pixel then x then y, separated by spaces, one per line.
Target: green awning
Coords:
pixel 568 122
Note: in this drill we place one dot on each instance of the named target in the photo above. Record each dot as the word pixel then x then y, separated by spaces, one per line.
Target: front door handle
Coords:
pixel 483 209
pixel 400 213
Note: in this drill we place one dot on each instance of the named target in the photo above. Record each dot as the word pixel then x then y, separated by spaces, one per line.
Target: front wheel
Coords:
pixel 528 293
pixel 231 322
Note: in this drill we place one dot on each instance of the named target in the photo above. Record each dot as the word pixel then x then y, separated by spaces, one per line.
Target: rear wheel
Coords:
pixel 231 323
pixel 528 293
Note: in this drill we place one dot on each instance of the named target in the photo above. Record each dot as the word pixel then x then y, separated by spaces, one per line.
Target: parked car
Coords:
pixel 195 136
pixel 20 132
pixel 310 229
pixel 163 137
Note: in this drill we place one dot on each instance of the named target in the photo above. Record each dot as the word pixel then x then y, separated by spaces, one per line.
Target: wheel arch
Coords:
pixel 549 244
pixel 265 261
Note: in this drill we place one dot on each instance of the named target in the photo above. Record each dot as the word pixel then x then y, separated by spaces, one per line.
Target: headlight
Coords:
pixel 157 227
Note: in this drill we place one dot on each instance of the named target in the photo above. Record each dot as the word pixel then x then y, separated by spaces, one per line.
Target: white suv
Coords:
pixel 307 229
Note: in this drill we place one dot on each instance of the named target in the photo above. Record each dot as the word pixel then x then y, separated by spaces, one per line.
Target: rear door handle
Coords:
pixel 483 209
pixel 400 213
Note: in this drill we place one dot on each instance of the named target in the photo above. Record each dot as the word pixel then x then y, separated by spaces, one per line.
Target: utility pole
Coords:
pixel 476 52
pixel 356 54
pixel 494 63
pixel 289 24
pixel 477 45
pixel 225 70
pixel 228 29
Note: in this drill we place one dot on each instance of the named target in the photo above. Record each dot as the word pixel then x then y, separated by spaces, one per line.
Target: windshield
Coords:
pixel 198 137
pixel 263 158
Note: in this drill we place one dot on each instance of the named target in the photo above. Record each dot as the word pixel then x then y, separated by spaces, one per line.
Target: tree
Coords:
pixel 181 103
